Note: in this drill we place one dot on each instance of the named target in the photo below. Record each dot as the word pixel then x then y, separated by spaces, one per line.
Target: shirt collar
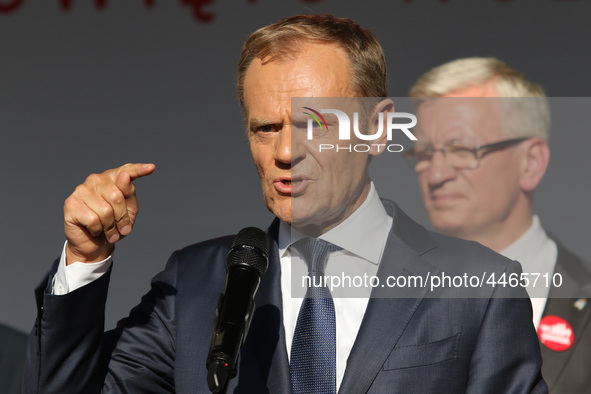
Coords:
pixel 525 247
pixel 363 233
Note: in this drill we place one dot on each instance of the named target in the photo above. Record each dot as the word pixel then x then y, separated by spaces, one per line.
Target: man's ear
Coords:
pixel 379 145
pixel 535 163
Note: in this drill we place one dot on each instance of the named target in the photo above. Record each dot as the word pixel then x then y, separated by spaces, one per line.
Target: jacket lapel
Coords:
pixel 388 312
pixel 555 362
pixel 569 267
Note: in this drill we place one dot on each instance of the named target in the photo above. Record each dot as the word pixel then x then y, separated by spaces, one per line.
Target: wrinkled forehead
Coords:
pixel 463 119
pixel 318 70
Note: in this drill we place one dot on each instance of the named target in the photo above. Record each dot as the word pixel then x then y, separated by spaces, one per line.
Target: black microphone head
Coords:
pixel 251 248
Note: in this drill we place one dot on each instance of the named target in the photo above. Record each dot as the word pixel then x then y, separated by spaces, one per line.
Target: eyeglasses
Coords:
pixel 459 157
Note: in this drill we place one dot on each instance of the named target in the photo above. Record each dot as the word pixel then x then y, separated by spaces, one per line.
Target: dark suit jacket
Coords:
pixel 570 371
pixel 417 344
pixel 13 345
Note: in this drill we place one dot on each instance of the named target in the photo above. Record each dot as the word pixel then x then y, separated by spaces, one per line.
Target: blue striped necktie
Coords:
pixel 313 350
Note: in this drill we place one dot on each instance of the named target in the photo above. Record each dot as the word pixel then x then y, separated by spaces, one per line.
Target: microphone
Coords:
pixel 247 262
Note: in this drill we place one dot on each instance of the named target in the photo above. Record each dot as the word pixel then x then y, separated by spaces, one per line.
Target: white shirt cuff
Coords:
pixel 71 277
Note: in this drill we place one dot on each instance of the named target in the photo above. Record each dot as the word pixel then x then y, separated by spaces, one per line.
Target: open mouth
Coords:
pixel 292 182
pixel 292 186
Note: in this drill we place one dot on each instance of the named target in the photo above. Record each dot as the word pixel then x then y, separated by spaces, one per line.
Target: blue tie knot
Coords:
pixel 315 253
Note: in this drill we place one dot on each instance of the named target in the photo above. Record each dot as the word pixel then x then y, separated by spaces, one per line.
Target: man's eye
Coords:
pixel 266 129
pixel 423 154
pixel 461 151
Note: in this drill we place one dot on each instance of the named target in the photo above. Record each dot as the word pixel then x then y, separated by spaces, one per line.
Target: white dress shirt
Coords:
pixel 363 239
pixel 537 254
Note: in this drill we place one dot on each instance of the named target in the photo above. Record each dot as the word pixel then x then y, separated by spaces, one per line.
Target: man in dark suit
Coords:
pixel 13 344
pixel 482 109
pixel 403 339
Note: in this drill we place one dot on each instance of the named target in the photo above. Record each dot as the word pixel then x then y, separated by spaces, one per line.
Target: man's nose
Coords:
pixel 289 147
pixel 440 170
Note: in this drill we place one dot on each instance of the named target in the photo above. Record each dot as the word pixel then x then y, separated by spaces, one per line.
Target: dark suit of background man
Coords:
pixel 415 344
pixel 491 202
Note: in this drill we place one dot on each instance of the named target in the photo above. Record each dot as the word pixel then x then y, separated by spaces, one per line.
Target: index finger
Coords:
pixel 136 170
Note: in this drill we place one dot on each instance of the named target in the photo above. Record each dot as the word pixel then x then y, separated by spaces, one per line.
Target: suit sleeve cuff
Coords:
pixel 71 277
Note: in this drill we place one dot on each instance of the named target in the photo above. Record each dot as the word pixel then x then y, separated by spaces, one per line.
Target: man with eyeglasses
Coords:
pixel 481 152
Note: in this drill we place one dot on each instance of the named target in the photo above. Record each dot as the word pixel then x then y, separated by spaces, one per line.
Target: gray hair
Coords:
pixel 526 105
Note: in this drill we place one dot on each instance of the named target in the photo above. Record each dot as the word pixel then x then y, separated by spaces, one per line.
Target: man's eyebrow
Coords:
pixel 256 121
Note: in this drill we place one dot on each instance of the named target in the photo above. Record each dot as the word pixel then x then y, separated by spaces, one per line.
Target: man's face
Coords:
pixel 468 203
pixel 312 190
